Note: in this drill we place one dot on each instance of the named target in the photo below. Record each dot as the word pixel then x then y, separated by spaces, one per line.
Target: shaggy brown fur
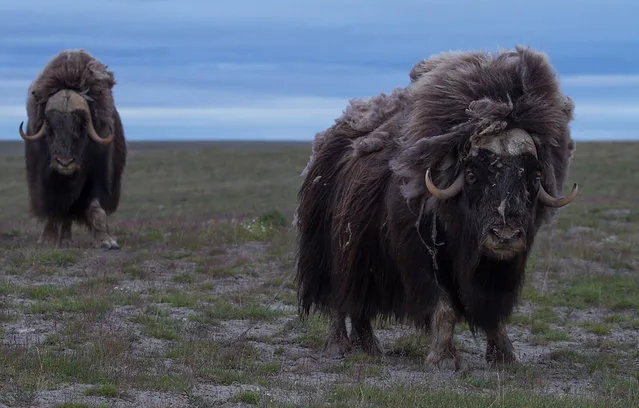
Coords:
pixel 373 241
pixel 58 198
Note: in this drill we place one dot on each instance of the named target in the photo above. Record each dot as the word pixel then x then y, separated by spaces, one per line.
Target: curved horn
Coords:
pixel 94 135
pixel 446 193
pixel 37 136
pixel 551 201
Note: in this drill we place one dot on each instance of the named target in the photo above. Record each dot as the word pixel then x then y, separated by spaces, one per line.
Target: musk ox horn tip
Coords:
pixel 444 194
pixel 551 201
pixel 34 137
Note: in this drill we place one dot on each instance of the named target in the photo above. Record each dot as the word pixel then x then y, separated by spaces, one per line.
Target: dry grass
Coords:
pixel 198 309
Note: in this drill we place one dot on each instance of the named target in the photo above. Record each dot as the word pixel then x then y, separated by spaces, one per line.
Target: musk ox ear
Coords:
pixel 37 96
pixel 369 144
pixel 568 107
pixel 440 153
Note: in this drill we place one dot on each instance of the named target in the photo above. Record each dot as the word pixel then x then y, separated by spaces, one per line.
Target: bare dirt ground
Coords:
pixel 198 308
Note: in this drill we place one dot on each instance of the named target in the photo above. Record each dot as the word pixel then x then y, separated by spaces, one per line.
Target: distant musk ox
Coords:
pixel 423 205
pixel 75 148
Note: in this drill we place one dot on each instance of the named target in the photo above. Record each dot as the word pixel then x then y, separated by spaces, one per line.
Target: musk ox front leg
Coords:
pixel 443 350
pixel 337 343
pixel 65 233
pixel 363 338
pixel 499 348
pixel 56 233
pixel 97 221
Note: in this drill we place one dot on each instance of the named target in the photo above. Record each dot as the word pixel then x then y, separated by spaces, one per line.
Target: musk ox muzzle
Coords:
pixel 504 242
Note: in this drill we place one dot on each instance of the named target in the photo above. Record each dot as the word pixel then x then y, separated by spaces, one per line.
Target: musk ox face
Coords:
pixel 67 128
pixel 499 198
pixel 497 192
pixel 67 140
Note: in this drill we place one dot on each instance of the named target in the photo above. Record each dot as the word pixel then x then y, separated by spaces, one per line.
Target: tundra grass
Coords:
pixel 199 306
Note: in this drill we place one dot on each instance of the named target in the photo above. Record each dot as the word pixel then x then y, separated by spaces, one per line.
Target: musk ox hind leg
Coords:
pixel 65 233
pixel 363 338
pixel 97 221
pixel 50 233
pixel 499 348
pixel 443 350
pixel 337 343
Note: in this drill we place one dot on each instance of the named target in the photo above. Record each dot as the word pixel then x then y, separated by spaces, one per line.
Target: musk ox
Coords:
pixel 75 149
pixel 423 205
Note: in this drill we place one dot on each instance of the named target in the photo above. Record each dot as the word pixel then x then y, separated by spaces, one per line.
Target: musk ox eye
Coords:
pixel 537 177
pixel 470 177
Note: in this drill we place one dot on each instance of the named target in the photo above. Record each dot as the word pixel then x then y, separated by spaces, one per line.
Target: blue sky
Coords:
pixel 284 69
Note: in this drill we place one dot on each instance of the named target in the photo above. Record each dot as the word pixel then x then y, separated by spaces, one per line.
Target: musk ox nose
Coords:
pixel 64 161
pixel 506 234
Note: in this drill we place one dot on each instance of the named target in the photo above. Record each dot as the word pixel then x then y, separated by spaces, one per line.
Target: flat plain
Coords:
pixel 199 309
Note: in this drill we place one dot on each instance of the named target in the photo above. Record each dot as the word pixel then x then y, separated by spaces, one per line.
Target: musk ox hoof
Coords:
pixel 368 344
pixel 65 243
pixel 109 243
pixel 47 241
pixel 496 357
pixel 337 348
pixel 448 360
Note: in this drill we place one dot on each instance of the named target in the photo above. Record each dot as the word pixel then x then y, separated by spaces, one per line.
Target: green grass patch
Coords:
pixel 153 235
pixel 51 365
pixel 177 383
pixel 414 345
pixel 358 366
pixel 176 298
pixel 593 362
pixel 543 333
pixel 57 258
pixel 309 331
pixel 95 308
pixel 183 278
pixel 614 292
pixel 6 288
pixel 625 321
pixel 10 234
pixel 244 309
pixel 246 397
pixel 596 328
pixel 45 291
pixel 157 324
pixel 106 391
pixel 135 272
pixel 177 255
pixel 224 364
pixel 410 396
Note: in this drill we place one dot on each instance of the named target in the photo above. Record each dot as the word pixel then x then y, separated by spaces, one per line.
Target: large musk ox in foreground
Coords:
pixel 423 204
pixel 75 148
